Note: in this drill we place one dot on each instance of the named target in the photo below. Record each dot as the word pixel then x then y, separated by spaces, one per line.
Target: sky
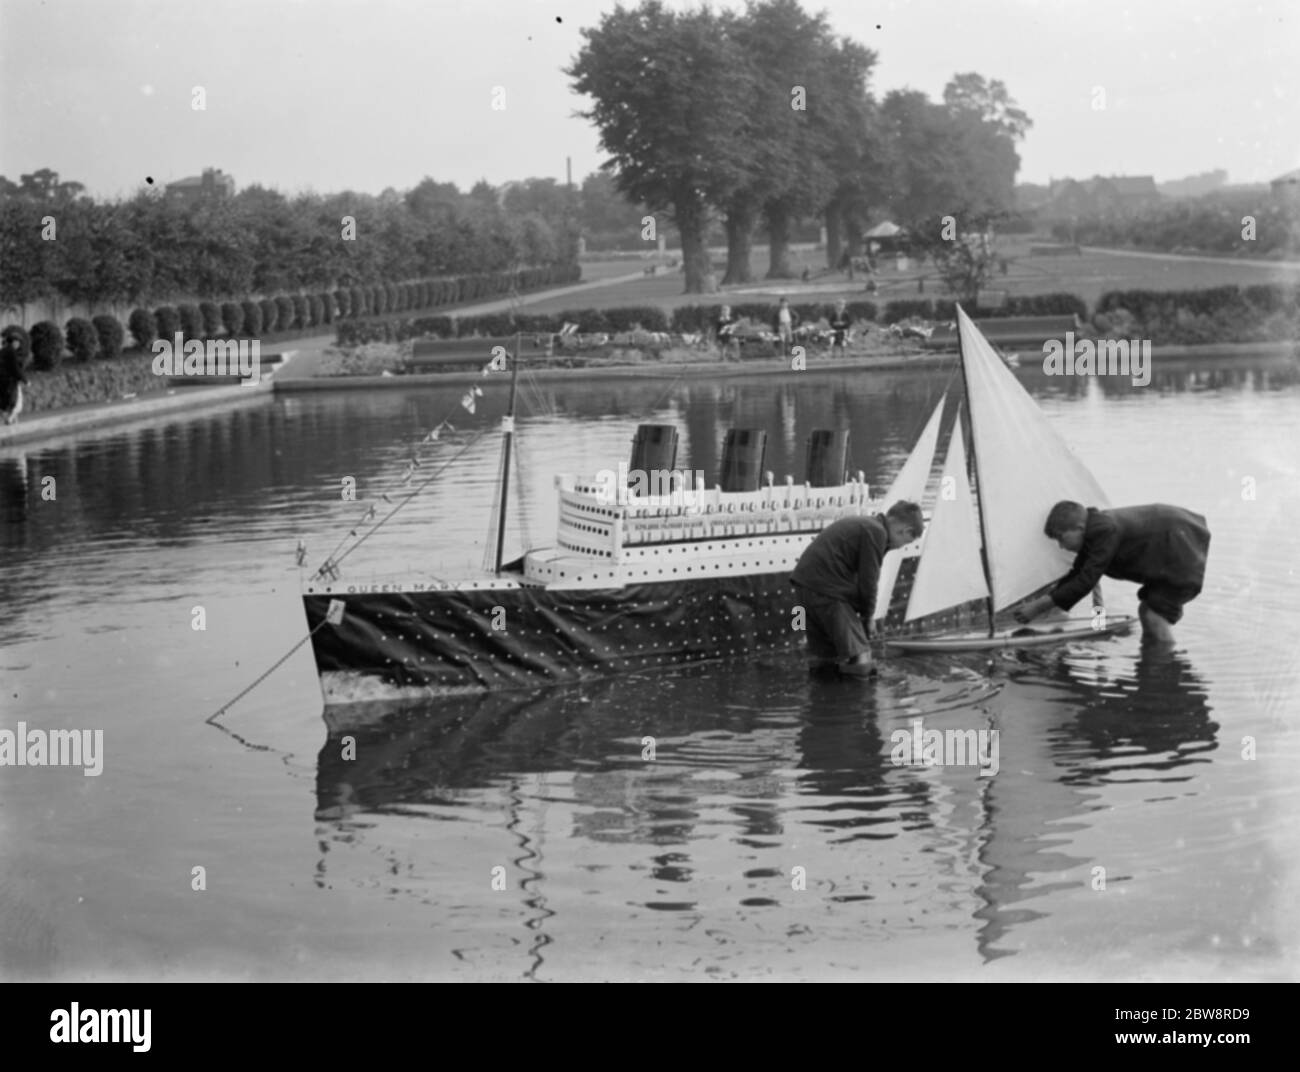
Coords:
pixel 332 95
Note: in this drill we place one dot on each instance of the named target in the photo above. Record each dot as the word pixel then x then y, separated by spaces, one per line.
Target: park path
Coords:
pixel 1202 258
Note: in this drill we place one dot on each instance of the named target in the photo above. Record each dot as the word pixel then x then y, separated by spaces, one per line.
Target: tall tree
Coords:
pixel 988 101
pixel 801 110
pixel 666 102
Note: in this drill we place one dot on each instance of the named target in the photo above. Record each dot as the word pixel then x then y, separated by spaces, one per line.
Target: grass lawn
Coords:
pixel 1088 275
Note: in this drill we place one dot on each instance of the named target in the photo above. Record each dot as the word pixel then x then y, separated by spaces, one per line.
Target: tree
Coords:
pixel 858 158
pixel 665 103
pixel 801 109
pixel 965 262
pixel 989 102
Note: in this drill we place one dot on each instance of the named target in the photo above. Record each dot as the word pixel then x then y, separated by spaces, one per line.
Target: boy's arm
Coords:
pixel 870 552
pixel 1099 546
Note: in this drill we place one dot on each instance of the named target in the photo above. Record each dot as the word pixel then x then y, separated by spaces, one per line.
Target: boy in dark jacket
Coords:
pixel 1162 548
pixel 836 580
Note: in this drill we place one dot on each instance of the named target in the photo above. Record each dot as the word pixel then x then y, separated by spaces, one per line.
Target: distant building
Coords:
pixel 1286 188
pixel 1099 196
pixel 212 184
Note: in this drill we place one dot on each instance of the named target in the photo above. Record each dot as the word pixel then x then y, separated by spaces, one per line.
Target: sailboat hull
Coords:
pixel 1016 638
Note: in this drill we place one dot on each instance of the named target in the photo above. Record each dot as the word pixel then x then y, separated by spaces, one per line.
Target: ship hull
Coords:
pixel 411 644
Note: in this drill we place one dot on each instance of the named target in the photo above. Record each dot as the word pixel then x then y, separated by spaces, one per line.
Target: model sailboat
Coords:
pixel 990 546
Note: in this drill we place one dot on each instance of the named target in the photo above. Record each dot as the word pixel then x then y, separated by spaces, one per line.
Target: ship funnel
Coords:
pixel 828 457
pixel 742 459
pixel 654 449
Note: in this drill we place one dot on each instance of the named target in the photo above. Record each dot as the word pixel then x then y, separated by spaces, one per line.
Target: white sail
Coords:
pixel 950 572
pixel 1022 467
pixel 909 485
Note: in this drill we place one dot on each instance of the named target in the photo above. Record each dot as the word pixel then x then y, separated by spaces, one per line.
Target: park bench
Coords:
pixel 1008 331
pixel 469 353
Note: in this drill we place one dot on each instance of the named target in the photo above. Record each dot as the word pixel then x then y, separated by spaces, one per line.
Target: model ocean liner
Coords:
pixel 652 573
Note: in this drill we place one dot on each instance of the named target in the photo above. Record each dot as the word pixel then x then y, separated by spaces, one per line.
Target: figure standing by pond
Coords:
pixel 840 322
pixel 724 333
pixel 836 579
pixel 786 321
pixel 11 379
pixel 1162 548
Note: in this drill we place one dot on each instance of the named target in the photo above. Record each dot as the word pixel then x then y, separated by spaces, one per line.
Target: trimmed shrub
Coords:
pixel 650 317
pixel 588 320
pixel 343 302
pixel 191 321
pixel 301 311
pixel 211 313
pixel 285 315
pixel 108 329
pixel 270 315
pixel 252 319
pixel 901 310
pixel 326 301
pixel 442 327
pixel 232 318
pixel 315 315
pixel 82 340
pixel 47 346
pixel 143 327
pixel 168 322
pixel 13 331
pixel 359 304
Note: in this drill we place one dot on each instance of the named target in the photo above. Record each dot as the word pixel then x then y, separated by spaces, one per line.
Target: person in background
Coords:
pixel 1162 548
pixel 11 378
pixel 786 321
pixel 841 322
pixel 724 329
pixel 835 581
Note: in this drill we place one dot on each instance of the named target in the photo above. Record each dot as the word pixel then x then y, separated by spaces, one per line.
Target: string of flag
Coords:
pixel 329 569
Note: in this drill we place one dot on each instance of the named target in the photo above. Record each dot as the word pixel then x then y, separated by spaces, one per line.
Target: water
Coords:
pixel 763 781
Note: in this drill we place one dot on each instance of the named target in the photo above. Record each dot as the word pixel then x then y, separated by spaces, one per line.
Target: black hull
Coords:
pixel 449 642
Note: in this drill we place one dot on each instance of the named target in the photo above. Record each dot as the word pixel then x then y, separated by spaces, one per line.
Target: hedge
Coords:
pixel 270 314
pixel 168 322
pixel 82 340
pixel 191 321
pixel 284 313
pixel 249 318
pixel 211 313
pixel 13 331
pixel 47 346
pixel 232 318
pixel 143 326
pixel 108 330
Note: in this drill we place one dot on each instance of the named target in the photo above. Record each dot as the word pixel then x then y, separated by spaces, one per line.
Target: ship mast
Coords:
pixel 508 427
pixel 979 484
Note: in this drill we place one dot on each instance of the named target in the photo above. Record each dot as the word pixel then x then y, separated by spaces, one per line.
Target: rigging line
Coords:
pixel 519 494
pixel 416 491
pixel 330 559
pixel 211 719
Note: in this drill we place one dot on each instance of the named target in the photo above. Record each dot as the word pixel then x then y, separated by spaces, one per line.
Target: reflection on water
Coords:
pixel 737 821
